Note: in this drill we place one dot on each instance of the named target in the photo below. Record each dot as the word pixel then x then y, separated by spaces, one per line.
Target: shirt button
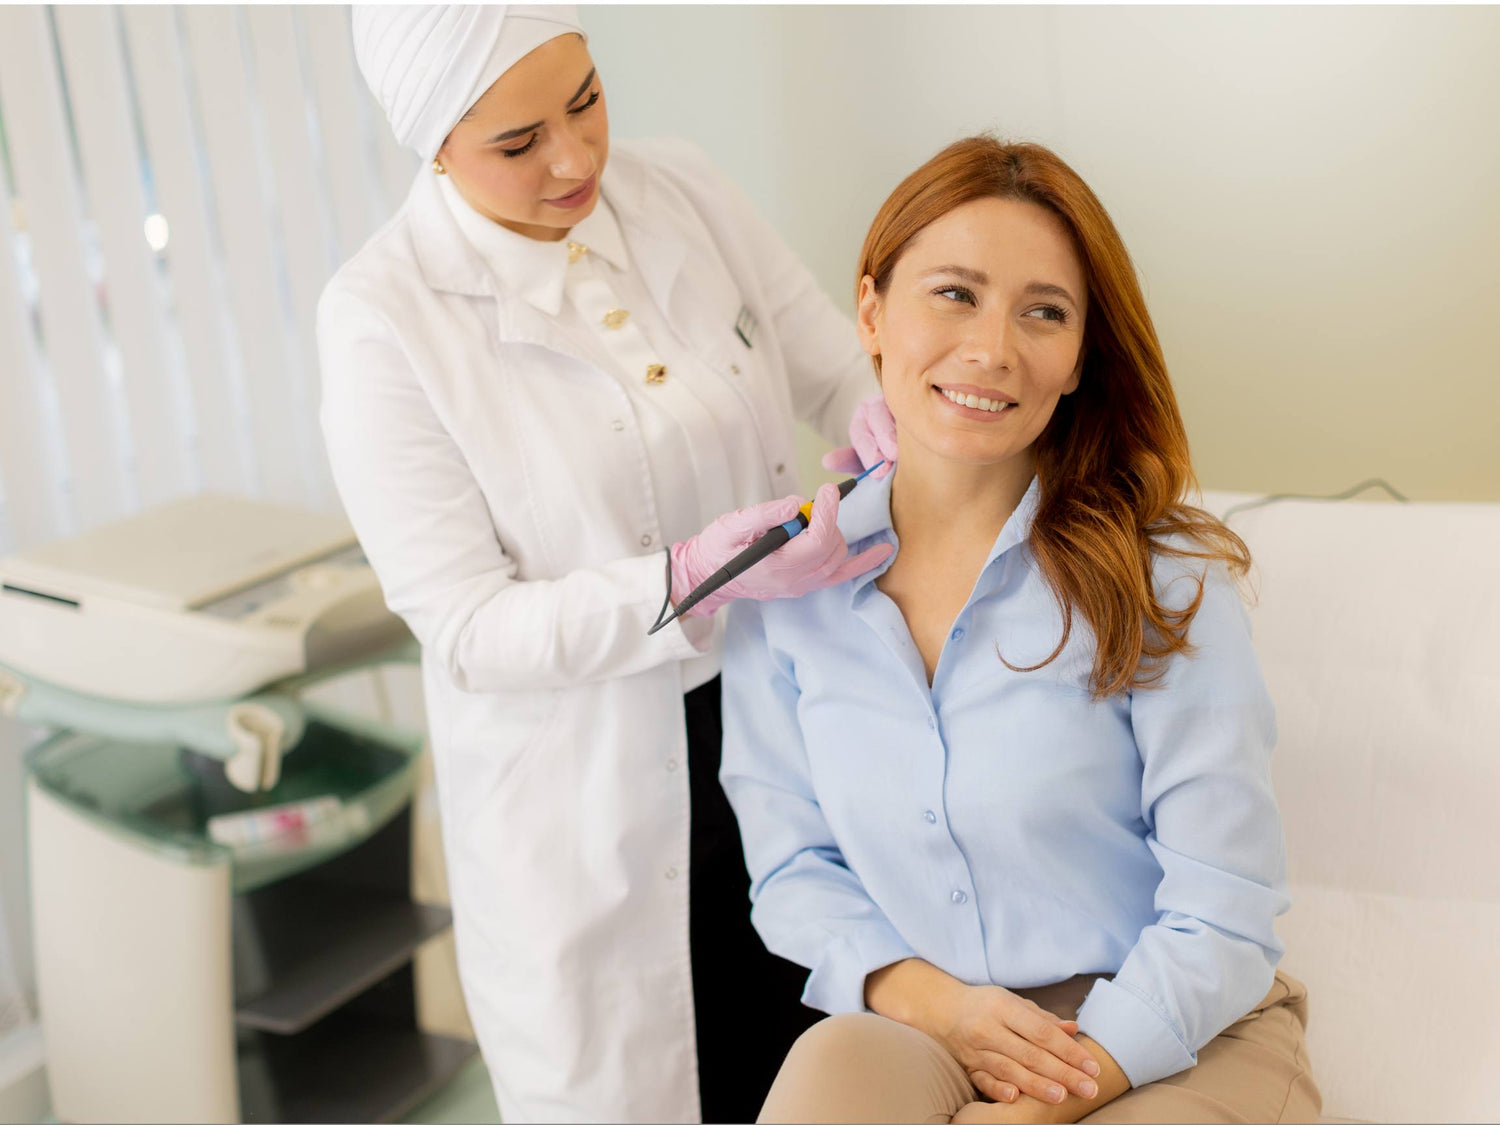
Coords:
pixel 645 540
pixel 930 817
pixel 618 425
pixel 616 317
pixel 931 722
pixel 957 634
pixel 959 898
pixel 671 873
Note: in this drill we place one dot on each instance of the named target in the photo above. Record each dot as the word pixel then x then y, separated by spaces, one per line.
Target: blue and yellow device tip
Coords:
pixel 777 537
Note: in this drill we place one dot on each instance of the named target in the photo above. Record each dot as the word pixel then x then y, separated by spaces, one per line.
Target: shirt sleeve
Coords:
pixel 808 906
pixel 423 523
pixel 828 372
pixel 1205 737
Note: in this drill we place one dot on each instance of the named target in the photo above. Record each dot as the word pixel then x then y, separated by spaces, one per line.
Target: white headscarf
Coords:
pixel 428 64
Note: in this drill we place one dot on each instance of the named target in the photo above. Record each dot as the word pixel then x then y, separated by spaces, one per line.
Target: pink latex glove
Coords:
pixel 815 558
pixel 873 434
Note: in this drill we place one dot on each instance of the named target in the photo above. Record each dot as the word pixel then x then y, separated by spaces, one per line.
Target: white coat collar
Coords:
pixel 653 236
pixel 527 268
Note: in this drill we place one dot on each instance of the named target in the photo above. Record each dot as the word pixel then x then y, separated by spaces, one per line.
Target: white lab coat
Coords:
pixel 499 486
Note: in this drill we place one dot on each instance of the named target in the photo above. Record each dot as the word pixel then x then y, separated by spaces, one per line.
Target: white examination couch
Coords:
pixel 1378 626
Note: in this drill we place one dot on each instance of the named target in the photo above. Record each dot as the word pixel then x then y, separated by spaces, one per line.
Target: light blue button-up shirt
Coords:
pixel 1003 825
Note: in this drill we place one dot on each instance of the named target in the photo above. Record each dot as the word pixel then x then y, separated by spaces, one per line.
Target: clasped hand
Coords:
pixel 1010 1046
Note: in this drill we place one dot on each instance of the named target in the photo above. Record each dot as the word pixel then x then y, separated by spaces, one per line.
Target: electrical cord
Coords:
pixel 1347 494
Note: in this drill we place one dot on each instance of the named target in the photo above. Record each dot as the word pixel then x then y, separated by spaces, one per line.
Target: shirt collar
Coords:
pixel 866 513
pixel 1018 527
pixel 529 268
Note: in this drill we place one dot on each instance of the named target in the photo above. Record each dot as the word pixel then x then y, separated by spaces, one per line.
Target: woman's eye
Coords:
pixel 523 150
pixel 593 98
pixel 956 293
pixel 1050 312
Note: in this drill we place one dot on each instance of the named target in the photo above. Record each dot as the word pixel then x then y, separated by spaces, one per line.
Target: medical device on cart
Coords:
pixel 220 865
pixel 208 598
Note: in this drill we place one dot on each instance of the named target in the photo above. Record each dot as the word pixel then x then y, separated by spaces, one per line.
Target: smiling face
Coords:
pixel 530 152
pixel 979 331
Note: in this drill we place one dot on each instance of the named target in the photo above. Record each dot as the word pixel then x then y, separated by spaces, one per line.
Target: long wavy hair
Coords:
pixel 1112 463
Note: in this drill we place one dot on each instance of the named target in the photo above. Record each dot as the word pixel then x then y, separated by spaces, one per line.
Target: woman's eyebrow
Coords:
pixel 963 273
pixel 587 82
pixel 512 134
pixel 1046 289
pixel 979 277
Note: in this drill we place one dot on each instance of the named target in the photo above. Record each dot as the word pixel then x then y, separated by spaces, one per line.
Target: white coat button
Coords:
pixel 734 367
pixel 645 540
pixel 780 469
pixel 671 764
pixel 930 817
pixel 959 898
pixel 671 873
pixel 618 425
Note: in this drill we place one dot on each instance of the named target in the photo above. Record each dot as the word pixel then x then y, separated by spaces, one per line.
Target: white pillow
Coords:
pixel 1378 626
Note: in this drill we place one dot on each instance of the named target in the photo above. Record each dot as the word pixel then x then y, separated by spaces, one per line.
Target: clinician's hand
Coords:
pixel 816 558
pixel 872 434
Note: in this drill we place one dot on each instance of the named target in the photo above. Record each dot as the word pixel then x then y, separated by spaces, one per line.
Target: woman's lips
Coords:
pixel 1007 405
pixel 577 197
pixel 978 392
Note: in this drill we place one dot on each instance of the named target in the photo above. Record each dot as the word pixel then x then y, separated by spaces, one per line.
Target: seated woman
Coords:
pixel 1008 796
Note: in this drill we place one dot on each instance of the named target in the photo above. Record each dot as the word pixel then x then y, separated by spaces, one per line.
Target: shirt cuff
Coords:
pixel 837 983
pixel 698 632
pixel 687 637
pixel 1134 1032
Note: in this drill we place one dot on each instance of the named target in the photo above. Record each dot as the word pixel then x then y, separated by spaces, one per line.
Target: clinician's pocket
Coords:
pixel 498 739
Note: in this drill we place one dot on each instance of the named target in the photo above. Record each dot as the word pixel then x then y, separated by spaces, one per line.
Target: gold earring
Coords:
pixel 437 167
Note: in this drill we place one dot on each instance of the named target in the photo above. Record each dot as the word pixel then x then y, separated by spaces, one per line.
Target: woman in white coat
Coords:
pixel 541 379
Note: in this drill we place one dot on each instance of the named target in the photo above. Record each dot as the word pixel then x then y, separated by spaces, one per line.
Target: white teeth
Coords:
pixel 994 406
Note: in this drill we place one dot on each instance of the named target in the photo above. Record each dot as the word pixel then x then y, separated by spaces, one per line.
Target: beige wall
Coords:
pixel 1312 195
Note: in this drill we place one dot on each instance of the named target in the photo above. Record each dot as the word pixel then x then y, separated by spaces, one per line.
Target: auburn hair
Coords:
pixel 1112 463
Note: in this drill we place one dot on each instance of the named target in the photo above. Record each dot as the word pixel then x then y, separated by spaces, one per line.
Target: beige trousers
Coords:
pixel 865 1068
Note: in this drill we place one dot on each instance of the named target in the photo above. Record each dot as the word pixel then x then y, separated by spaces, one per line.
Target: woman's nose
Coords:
pixel 570 158
pixel 990 343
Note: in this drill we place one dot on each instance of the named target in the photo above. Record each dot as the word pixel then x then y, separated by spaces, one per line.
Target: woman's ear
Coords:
pixel 867 316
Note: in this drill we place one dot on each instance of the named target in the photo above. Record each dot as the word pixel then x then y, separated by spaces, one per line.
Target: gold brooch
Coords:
pixel 656 373
pixel 576 250
pixel 616 317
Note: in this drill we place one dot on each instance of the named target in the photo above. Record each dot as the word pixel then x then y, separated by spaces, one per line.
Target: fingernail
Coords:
pixel 1087 1089
pixel 1056 1094
pixel 1091 1068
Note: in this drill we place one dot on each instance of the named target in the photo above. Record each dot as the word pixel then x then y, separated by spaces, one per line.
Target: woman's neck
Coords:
pixel 934 500
pixel 947 517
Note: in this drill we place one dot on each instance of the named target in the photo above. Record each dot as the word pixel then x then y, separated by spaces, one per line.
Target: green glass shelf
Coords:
pixel 161 797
